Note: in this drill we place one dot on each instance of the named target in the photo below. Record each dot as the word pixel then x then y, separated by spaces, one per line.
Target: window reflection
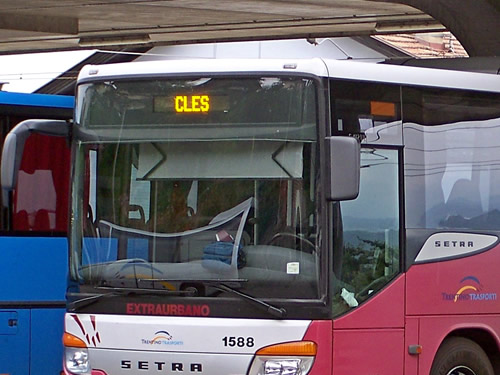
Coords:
pixel 368 257
pixel 452 159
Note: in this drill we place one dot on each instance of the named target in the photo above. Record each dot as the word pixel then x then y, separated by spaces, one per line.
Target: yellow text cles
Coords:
pixel 193 103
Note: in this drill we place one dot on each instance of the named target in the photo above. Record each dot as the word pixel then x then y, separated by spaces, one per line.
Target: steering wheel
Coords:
pixel 295 237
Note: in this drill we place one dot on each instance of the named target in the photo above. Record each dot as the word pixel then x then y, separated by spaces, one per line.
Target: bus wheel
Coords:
pixel 460 356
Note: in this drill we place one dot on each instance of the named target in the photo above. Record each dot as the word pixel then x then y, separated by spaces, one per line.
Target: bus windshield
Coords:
pixel 184 182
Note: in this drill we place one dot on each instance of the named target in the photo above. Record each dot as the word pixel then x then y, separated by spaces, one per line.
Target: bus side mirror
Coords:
pixel 344 157
pixel 13 148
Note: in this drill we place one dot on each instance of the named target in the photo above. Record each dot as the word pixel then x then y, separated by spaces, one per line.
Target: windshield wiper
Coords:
pixel 119 291
pixel 222 285
pixel 278 312
pixel 86 301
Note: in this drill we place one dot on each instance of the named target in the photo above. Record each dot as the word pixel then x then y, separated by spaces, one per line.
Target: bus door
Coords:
pixel 367 284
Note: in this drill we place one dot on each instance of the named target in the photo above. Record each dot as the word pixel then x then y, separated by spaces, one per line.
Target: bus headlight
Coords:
pixel 292 358
pixel 281 366
pixel 76 355
pixel 76 360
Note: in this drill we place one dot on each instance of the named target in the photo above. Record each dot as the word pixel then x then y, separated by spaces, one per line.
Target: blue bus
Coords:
pixel 33 240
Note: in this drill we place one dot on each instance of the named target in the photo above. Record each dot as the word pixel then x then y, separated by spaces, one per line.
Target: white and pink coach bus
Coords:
pixel 264 217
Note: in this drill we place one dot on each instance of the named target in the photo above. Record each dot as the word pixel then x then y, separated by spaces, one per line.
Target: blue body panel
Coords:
pixel 47 327
pixel 33 271
pixel 15 345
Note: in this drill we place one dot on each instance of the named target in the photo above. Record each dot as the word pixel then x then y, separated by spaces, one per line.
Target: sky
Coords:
pixel 28 72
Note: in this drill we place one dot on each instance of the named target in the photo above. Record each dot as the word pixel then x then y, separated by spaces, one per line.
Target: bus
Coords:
pixel 33 240
pixel 278 217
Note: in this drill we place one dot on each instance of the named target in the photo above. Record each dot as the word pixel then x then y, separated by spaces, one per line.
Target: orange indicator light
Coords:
pixel 296 348
pixel 72 341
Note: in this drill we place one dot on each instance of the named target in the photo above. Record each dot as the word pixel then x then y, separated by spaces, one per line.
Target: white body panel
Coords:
pixel 122 362
pixel 412 76
pixel 204 66
pixel 112 339
pixel 447 245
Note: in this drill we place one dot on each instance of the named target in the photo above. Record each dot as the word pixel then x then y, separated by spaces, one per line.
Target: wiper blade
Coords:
pixel 201 281
pixel 278 312
pixel 86 301
pixel 222 285
pixel 119 291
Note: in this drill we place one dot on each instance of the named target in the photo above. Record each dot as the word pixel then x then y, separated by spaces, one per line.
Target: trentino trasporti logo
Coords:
pixel 470 289
pixel 162 338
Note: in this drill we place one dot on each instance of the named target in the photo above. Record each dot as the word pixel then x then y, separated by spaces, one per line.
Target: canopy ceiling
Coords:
pixel 54 25
pixel 34 25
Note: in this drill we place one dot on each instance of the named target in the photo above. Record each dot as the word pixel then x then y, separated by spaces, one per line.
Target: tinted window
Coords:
pixel 367 257
pixel 40 201
pixel 452 159
pixel 370 112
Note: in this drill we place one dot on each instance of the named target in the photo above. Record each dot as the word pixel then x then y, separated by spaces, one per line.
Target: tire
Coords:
pixel 461 356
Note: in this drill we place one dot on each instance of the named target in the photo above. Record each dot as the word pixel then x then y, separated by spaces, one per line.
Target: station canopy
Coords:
pixel 54 25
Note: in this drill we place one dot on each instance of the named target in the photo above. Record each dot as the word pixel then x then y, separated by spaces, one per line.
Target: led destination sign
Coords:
pixel 191 104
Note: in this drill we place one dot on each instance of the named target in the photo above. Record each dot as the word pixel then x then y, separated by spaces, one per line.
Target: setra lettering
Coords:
pixel 177 367
pixel 446 243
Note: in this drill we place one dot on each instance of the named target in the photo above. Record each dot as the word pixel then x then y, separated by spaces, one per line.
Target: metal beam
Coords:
pixel 39 23
pixel 51 25
pixel 475 23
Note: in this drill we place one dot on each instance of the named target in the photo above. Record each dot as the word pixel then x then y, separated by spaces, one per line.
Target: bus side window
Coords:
pixel 40 200
pixel 367 253
pixel 371 224
pixel 451 159
pixel 370 112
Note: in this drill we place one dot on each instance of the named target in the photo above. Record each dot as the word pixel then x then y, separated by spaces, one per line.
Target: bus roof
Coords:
pixel 414 76
pixel 352 70
pixel 36 100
